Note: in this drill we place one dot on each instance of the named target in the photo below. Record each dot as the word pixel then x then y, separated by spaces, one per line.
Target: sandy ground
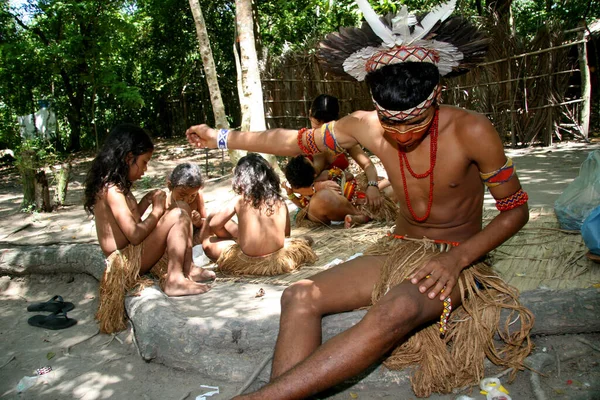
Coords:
pixel 87 365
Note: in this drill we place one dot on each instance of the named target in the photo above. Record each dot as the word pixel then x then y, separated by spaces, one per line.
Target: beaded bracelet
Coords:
pixel 222 138
pixel 372 183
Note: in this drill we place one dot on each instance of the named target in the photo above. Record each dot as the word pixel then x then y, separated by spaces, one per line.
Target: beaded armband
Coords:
pixel 329 140
pixel 515 200
pixel 500 176
pixel 302 147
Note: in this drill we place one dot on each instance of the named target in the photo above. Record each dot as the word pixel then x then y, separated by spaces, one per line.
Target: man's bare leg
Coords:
pixel 346 355
pixel 344 287
pixel 173 235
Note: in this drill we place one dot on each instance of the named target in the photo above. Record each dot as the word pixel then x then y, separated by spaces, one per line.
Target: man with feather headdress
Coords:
pixel 433 302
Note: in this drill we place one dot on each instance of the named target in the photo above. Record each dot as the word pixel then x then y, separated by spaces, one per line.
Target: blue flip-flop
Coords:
pixel 54 321
pixel 53 305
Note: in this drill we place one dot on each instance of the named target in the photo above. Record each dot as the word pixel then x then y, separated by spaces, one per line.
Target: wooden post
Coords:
pixel 586 87
pixel 513 134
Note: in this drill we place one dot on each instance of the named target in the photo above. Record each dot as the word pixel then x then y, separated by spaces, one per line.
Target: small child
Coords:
pixel 185 185
pixel 257 244
pixel 133 246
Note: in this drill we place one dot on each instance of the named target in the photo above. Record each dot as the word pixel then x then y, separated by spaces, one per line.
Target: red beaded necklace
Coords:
pixel 433 132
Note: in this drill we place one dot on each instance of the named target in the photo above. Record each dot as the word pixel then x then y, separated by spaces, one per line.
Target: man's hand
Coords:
pixel 331 185
pixel 374 198
pixel 202 136
pixel 438 276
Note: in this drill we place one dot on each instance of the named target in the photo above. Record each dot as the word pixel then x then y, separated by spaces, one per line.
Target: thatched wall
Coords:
pixel 290 88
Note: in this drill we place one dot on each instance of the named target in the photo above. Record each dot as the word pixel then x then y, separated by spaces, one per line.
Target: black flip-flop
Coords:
pixel 53 305
pixel 54 321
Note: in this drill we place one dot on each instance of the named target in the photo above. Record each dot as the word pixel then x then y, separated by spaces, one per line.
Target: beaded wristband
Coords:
pixel 222 138
pixel 372 183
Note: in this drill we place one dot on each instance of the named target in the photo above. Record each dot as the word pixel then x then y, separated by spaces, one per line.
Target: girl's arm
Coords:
pixel 130 223
pixel 145 202
pixel 221 217
pixel 288 225
pixel 201 208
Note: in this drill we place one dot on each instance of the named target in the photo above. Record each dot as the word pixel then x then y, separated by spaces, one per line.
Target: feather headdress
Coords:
pixel 451 43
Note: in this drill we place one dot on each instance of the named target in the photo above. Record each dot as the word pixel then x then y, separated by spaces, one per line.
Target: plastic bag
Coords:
pixel 581 196
pixel 590 231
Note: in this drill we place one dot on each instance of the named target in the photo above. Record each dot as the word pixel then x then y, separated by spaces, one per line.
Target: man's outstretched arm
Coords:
pixel 278 141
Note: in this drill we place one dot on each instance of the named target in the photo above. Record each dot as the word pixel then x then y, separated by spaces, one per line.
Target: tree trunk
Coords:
pixel 586 87
pixel 209 66
pixel 26 166
pixel 42 192
pixel 252 104
pixel 62 175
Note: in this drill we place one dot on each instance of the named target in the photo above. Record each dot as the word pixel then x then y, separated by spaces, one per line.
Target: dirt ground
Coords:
pixel 87 365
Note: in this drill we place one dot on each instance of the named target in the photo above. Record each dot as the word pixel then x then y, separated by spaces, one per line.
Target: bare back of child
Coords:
pixel 263 220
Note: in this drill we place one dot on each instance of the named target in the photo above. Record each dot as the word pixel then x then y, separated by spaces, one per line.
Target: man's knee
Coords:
pixel 299 297
pixel 396 311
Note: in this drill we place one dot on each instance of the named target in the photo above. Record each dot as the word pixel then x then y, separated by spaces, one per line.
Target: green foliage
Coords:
pixel 103 62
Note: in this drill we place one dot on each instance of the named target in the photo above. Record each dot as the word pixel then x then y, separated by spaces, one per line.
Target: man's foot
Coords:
pixel 198 274
pixel 353 220
pixel 181 286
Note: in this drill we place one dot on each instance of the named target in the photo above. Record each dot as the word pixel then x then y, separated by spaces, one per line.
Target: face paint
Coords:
pixel 405 133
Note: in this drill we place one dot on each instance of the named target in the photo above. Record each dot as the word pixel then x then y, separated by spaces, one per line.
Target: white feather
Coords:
pixel 400 25
pixel 375 23
pixel 439 13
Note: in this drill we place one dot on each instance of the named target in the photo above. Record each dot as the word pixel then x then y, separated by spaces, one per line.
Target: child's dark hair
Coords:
pixel 401 86
pixel 300 172
pixel 109 167
pixel 256 181
pixel 186 175
pixel 325 108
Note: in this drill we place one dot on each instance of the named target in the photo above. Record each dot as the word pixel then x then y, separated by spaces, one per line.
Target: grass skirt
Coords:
pixel 296 251
pixel 121 276
pixel 457 360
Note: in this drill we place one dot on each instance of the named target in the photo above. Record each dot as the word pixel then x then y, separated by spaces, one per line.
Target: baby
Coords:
pixel 185 185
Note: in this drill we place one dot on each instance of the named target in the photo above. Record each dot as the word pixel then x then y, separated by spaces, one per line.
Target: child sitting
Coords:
pixel 334 195
pixel 257 244
pixel 185 185
pixel 133 246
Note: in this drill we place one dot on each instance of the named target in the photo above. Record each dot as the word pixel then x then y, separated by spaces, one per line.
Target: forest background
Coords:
pixel 102 62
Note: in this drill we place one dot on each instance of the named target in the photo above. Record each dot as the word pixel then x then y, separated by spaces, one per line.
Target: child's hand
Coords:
pixel 197 219
pixel 159 201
